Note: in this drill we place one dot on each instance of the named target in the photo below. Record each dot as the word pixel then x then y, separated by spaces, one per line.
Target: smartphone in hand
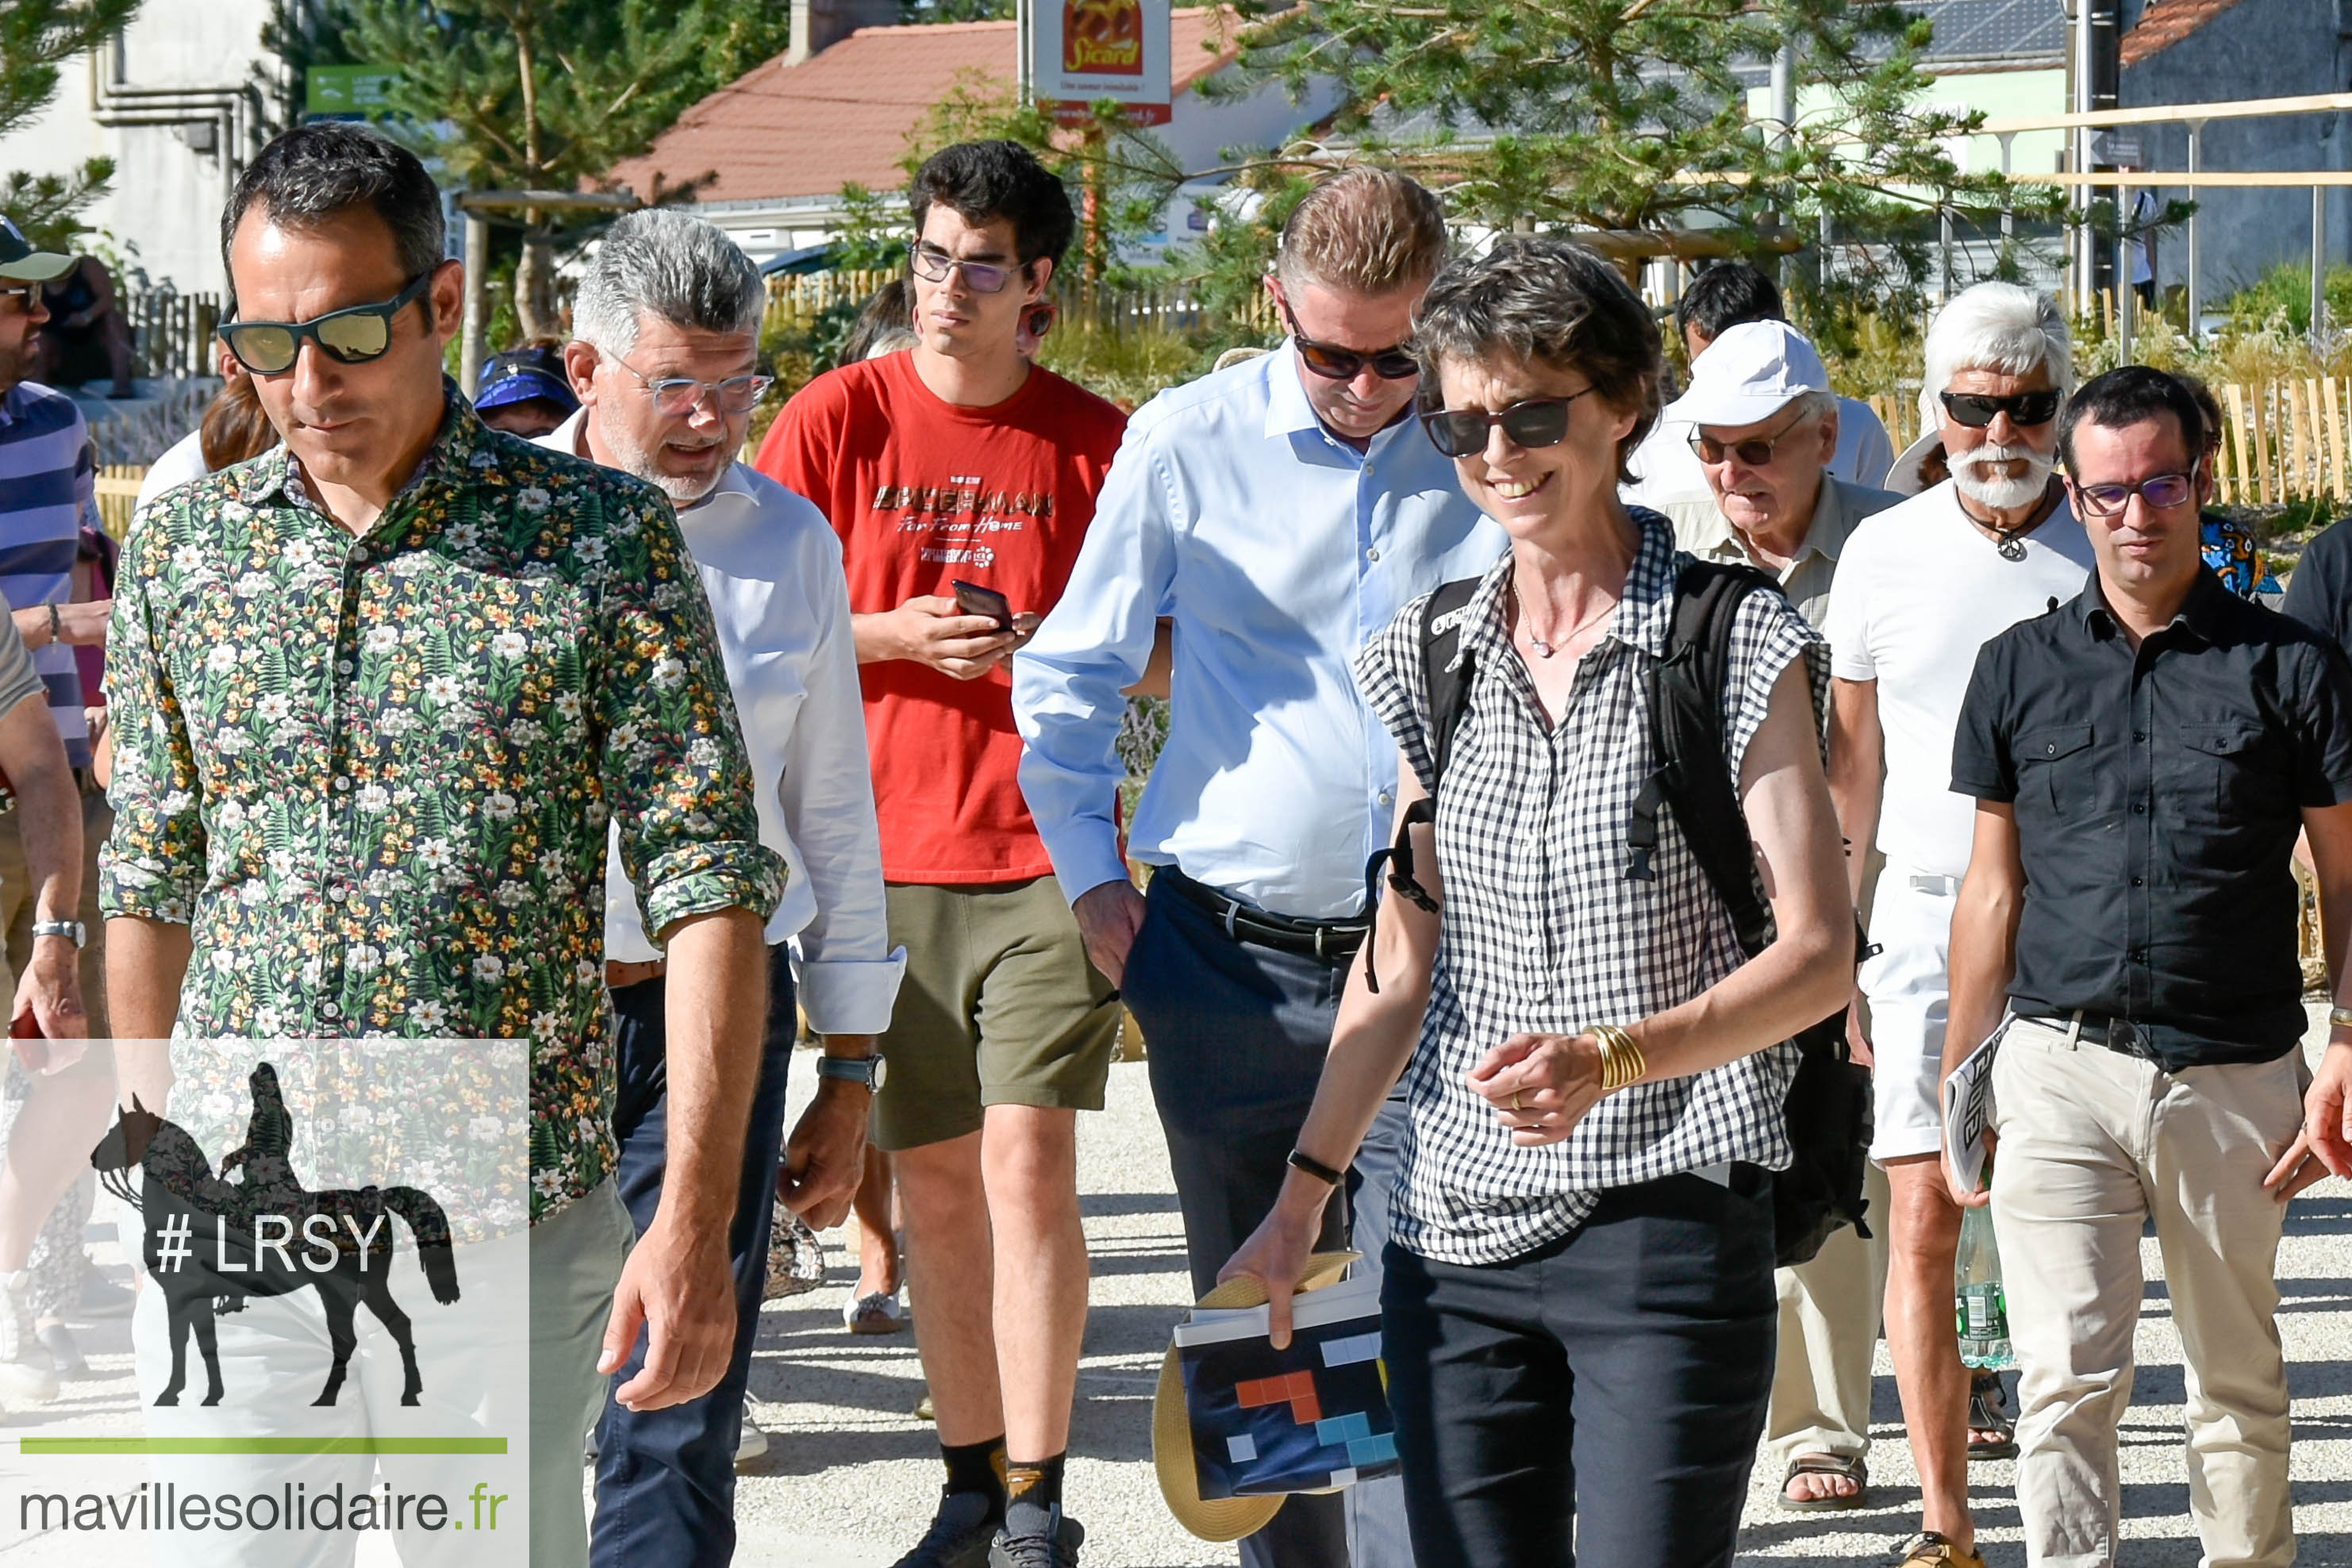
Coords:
pixel 974 600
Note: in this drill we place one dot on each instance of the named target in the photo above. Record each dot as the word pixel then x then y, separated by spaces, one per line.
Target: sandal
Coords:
pixel 876 1313
pixel 1854 1468
pixel 1929 1550
pixel 1989 1412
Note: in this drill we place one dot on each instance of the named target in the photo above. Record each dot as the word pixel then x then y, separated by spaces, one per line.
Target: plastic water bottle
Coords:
pixel 1979 1307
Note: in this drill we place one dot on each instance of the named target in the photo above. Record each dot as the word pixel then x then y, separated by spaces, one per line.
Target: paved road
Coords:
pixel 851 1476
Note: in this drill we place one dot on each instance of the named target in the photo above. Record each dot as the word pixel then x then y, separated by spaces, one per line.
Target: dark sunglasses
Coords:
pixel 1976 410
pixel 353 335
pixel 1346 364
pixel 1539 422
pixel 980 276
pixel 1756 451
pixel 2110 500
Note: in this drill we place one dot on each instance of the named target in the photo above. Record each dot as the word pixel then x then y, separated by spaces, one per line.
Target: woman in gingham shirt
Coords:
pixel 1580 1309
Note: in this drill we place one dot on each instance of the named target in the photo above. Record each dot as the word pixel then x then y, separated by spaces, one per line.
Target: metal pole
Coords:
pixel 2084 239
pixel 2318 263
pixel 1022 83
pixel 2007 140
pixel 1944 227
pixel 476 321
pixel 2196 283
pixel 2126 300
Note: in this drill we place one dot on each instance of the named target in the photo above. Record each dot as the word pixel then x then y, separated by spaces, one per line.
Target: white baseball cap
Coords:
pixel 1751 373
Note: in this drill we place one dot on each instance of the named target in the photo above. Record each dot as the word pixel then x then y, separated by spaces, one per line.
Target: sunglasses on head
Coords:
pixel 350 336
pixel 980 276
pixel 1346 364
pixel 1756 452
pixel 2163 490
pixel 1976 410
pixel 1537 422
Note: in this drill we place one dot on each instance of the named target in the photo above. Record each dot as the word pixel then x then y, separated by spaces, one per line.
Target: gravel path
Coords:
pixel 850 1476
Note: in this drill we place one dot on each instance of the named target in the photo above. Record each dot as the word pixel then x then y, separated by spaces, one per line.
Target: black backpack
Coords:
pixel 1828 1107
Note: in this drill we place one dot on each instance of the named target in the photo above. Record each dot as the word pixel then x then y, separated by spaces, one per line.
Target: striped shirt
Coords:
pixel 48 482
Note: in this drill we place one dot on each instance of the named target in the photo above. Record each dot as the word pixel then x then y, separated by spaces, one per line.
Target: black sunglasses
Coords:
pixel 1976 410
pixel 1537 422
pixel 353 335
pixel 1756 451
pixel 1346 364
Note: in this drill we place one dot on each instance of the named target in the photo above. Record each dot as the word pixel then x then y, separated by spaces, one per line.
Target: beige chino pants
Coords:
pixel 2092 1144
pixel 1829 1337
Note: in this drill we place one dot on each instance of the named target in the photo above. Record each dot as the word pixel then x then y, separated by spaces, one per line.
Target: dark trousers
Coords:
pixel 666 1479
pixel 1600 1396
pixel 1236 1034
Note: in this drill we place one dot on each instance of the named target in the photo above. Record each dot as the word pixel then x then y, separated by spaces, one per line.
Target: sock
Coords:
pixel 977 1468
pixel 1033 1490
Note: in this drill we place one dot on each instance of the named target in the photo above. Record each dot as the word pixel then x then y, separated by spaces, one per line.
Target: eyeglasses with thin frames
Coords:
pixel 677 396
pixel 2164 490
pixel 1756 451
pixel 980 276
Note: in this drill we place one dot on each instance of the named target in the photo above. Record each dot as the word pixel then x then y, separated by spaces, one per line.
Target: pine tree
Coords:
pixel 37 38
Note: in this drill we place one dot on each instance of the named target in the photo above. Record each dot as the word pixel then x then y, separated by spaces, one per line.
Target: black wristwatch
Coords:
pixel 868 1070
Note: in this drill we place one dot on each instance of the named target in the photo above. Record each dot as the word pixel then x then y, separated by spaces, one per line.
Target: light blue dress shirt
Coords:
pixel 1277 549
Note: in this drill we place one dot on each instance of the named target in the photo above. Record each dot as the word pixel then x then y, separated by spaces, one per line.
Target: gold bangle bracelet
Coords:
pixel 1621 1061
pixel 2339 1018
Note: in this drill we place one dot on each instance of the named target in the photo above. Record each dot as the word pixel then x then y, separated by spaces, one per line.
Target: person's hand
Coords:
pixel 2327 1110
pixel 930 629
pixel 1276 1252
pixel 50 990
pixel 2296 1169
pixel 1970 1197
pixel 1024 626
pixel 83 625
pixel 1857 1043
pixel 1541 1086
pixel 678 1288
pixel 1109 916
pixel 825 1157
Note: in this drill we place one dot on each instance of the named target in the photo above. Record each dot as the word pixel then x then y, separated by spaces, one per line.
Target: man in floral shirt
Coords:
pixel 375 696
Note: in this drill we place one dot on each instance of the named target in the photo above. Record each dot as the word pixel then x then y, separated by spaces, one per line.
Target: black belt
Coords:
pixel 1334 941
pixel 2120 1036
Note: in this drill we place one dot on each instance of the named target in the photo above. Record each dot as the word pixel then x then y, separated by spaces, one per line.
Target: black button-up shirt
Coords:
pixel 2158 792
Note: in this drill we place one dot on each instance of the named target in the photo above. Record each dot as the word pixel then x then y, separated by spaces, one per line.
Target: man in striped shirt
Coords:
pixel 47 908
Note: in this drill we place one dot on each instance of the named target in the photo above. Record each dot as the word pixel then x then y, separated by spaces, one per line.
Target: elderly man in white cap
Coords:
pixel 1762 426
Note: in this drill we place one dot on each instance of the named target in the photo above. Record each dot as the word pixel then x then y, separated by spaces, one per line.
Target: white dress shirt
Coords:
pixel 182 463
pixel 1665 470
pixel 772 567
pixel 1278 551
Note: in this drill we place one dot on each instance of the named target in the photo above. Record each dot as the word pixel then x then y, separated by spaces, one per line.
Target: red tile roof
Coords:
pixel 846 114
pixel 2165 23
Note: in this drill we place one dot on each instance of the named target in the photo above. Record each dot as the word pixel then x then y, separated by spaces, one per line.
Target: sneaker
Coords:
pixel 750 1443
pixel 58 1340
pixel 1055 1548
pixel 959 1535
pixel 876 1313
pixel 101 1298
pixel 26 1372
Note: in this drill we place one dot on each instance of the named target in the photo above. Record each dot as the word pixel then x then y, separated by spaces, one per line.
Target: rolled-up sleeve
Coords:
pixel 848 973
pixel 675 775
pixel 152 864
pixel 1068 682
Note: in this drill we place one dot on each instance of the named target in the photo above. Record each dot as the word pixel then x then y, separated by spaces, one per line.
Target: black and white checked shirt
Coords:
pixel 1541 931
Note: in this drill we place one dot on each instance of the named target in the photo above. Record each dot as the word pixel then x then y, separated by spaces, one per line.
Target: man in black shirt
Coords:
pixel 2143 757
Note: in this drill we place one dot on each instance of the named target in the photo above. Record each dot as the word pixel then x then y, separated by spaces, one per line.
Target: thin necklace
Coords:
pixel 1546 650
pixel 2010 542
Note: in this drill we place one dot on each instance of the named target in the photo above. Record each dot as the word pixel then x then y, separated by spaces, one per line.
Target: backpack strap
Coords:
pixel 1687 697
pixel 1445 672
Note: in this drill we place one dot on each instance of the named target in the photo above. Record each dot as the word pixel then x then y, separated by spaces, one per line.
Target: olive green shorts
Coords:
pixel 1000 1006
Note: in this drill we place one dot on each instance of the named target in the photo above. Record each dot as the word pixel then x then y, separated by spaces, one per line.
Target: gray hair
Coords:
pixel 1815 404
pixel 1999 327
pixel 677 268
pixel 1538 299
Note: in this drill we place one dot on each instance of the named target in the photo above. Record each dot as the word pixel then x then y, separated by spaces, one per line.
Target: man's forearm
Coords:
pixel 145 962
pixel 875 638
pixel 48 808
pixel 717 1018
pixel 1983 956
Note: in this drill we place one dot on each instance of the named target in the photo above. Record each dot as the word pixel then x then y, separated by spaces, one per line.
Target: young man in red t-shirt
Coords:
pixel 958 460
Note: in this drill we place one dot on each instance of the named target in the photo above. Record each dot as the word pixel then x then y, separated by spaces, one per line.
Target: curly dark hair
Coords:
pixel 985 180
pixel 1541 299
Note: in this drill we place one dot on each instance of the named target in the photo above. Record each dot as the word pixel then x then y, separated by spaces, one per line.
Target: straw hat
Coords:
pixel 1223 1519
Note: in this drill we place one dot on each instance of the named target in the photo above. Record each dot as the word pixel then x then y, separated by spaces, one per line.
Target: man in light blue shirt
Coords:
pixel 1277 513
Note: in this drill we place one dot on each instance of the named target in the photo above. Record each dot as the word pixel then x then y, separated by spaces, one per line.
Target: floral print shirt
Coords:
pixel 374 773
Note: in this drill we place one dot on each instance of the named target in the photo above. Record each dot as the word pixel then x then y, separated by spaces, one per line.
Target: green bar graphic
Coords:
pixel 85 1445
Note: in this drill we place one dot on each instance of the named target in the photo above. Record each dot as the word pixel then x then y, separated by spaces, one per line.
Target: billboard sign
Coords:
pixel 1087 51
pixel 348 93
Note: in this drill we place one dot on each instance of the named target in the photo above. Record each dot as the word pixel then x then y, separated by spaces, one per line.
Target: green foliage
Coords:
pixel 37 38
pixel 2282 295
pixel 873 237
pixel 1598 114
pixel 1134 365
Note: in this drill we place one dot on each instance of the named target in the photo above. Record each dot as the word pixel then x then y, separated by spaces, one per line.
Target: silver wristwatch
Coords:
pixel 72 931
